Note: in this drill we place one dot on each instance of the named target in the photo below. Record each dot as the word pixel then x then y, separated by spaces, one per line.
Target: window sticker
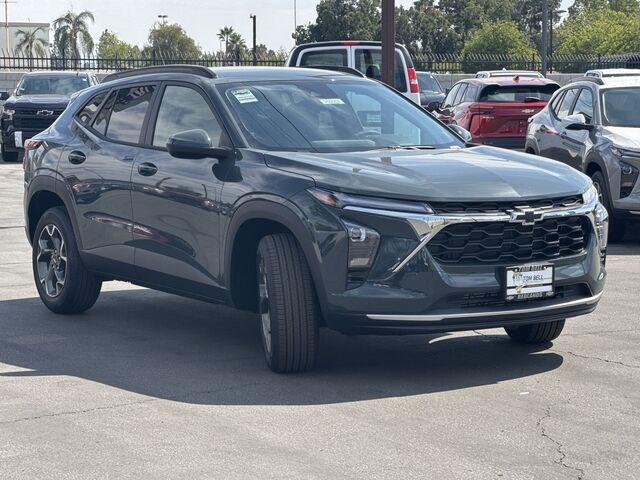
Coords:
pixel 244 95
pixel 331 101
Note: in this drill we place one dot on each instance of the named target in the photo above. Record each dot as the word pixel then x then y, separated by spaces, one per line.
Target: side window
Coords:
pixel 460 94
pixel 555 103
pixel 448 101
pixel 567 103
pixel 584 104
pixel 471 93
pixel 85 115
pixel 181 109
pixel 369 62
pixel 102 119
pixel 128 113
pixel 336 57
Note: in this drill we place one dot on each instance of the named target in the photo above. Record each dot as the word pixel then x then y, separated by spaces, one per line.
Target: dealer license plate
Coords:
pixel 529 281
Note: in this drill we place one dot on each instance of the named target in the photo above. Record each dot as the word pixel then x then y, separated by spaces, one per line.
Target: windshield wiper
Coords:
pixel 404 147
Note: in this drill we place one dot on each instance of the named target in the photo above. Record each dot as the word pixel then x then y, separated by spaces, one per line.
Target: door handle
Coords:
pixel 147 169
pixel 563 135
pixel 77 157
pixel 543 128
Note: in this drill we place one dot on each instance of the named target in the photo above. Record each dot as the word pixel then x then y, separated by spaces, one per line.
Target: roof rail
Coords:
pixel 192 69
pixel 596 80
pixel 337 68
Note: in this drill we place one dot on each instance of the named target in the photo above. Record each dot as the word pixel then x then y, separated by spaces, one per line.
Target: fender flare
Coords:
pixel 280 210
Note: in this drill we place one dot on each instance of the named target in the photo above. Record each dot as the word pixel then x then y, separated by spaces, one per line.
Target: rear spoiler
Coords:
pixel 337 68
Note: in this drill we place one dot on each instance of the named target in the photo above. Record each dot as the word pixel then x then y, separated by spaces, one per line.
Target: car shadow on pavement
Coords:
pixel 168 347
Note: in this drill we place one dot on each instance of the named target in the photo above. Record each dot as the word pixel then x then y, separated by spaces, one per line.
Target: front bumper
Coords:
pixel 418 294
pixel 502 142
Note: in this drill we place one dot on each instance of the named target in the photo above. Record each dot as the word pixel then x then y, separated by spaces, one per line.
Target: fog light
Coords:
pixel 628 179
pixel 602 225
pixel 363 245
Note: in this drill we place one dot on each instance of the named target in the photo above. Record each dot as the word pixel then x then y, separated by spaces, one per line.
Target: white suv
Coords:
pixel 364 56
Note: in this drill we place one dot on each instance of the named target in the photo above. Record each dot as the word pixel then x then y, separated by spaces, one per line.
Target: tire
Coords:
pixel 617 227
pixel 68 288
pixel 8 156
pixel 536 333
pixel 287 305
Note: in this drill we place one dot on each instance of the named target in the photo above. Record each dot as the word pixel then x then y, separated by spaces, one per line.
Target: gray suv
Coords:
pixel 594 126
pixel 313 198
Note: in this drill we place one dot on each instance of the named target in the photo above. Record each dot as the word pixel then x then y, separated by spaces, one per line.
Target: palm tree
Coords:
pixel 224 35
pixel 30 44
pixel 71 33
pixel 236 44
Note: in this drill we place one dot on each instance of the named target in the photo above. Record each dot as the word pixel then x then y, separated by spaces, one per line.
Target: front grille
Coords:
pixel 504 242
pixel 26 121
pixel 444 208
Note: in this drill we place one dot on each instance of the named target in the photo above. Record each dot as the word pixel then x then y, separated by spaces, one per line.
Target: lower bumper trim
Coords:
pixel 495 313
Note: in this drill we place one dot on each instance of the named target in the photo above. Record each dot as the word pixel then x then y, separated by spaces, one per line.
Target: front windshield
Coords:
pixel 620 107
pixel 51 85
pixel 331 115
pixel 428 83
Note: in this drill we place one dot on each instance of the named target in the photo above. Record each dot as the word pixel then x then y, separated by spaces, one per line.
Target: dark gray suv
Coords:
pixel 593 125
pixel 311 197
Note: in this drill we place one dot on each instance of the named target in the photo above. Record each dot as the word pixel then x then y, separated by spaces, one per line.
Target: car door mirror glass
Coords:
pixel 462 132
pixel 190 144
pixel 577 121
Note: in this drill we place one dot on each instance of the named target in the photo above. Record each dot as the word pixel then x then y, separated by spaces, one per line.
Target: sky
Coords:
pixel 202 19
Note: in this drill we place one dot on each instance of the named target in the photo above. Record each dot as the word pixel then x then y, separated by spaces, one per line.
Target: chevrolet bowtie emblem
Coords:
pixel 525 216
pixel 44 112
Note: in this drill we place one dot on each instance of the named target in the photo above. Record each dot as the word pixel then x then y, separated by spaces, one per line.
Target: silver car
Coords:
pixel 593 125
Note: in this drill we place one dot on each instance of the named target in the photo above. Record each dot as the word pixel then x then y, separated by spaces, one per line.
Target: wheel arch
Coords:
pixel 250 222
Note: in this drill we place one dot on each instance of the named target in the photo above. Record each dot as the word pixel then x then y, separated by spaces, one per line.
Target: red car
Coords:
pixel 496 110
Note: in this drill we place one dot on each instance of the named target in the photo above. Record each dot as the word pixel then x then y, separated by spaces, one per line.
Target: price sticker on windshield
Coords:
pixel 331 101
pixel 244 96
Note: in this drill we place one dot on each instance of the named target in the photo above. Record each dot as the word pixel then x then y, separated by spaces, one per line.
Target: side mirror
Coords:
pixel 577 121
pixel 462 132
pixel 194 144
pixel 446 92
pixel 432 106
pixel 4 95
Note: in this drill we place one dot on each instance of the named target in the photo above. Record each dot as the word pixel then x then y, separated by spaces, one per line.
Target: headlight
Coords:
pixel 602 225
pixel 623 152
pixel 8 112
pixel 342 200
pixel 590 196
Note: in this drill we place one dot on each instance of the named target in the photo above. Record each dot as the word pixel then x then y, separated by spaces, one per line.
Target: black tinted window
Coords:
pixel 183 109
pixel 369 62
pixel 85 115
pixel 517 93
pixel 334 58
pixel 128 112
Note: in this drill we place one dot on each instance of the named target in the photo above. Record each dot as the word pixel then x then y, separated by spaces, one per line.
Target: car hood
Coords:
pixel 624 137
pixel 51 101
pixel 472 174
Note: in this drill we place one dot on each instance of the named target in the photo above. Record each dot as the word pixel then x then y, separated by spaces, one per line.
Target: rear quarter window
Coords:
pixel 331 58
pixel 369 62
pixel 86 113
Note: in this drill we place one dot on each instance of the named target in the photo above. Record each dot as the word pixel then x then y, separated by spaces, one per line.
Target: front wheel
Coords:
pixel 536 333
pixel 287 305
pixel 63 282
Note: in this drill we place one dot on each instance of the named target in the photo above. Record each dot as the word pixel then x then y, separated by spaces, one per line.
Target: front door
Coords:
pixel 175 200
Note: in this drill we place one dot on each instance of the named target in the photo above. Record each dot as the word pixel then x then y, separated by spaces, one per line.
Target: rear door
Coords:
pixel 557 147
pixel 175 200
pixel 97 167
pixel 546 132
pixel 446 112
pixel 337 56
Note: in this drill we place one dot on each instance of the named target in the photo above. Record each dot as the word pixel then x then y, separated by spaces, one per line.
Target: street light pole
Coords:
pixel 388 41
pixel 255 52
pixel 545 25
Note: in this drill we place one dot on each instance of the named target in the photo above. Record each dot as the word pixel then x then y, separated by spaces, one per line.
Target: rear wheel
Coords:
pixel 287 305
pixel 63 283
pixel 536 333
pixel 617 227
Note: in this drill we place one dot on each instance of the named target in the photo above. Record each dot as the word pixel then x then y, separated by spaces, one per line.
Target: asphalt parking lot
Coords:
pixel 149 385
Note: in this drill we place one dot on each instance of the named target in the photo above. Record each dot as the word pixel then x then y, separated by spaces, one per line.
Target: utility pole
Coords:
pixel 545 26
pixel 255 52
pixel 295 16
pixel 163 19
pixel 388 41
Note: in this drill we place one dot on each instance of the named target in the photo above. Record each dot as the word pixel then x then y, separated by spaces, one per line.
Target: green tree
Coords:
pixel 170 41
pixel 466 16
pixel 110 46
pixel 236 45
pixel 600 31
pixel 71 33
pixel 30 43
pixel 500 37
pixel 224 34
